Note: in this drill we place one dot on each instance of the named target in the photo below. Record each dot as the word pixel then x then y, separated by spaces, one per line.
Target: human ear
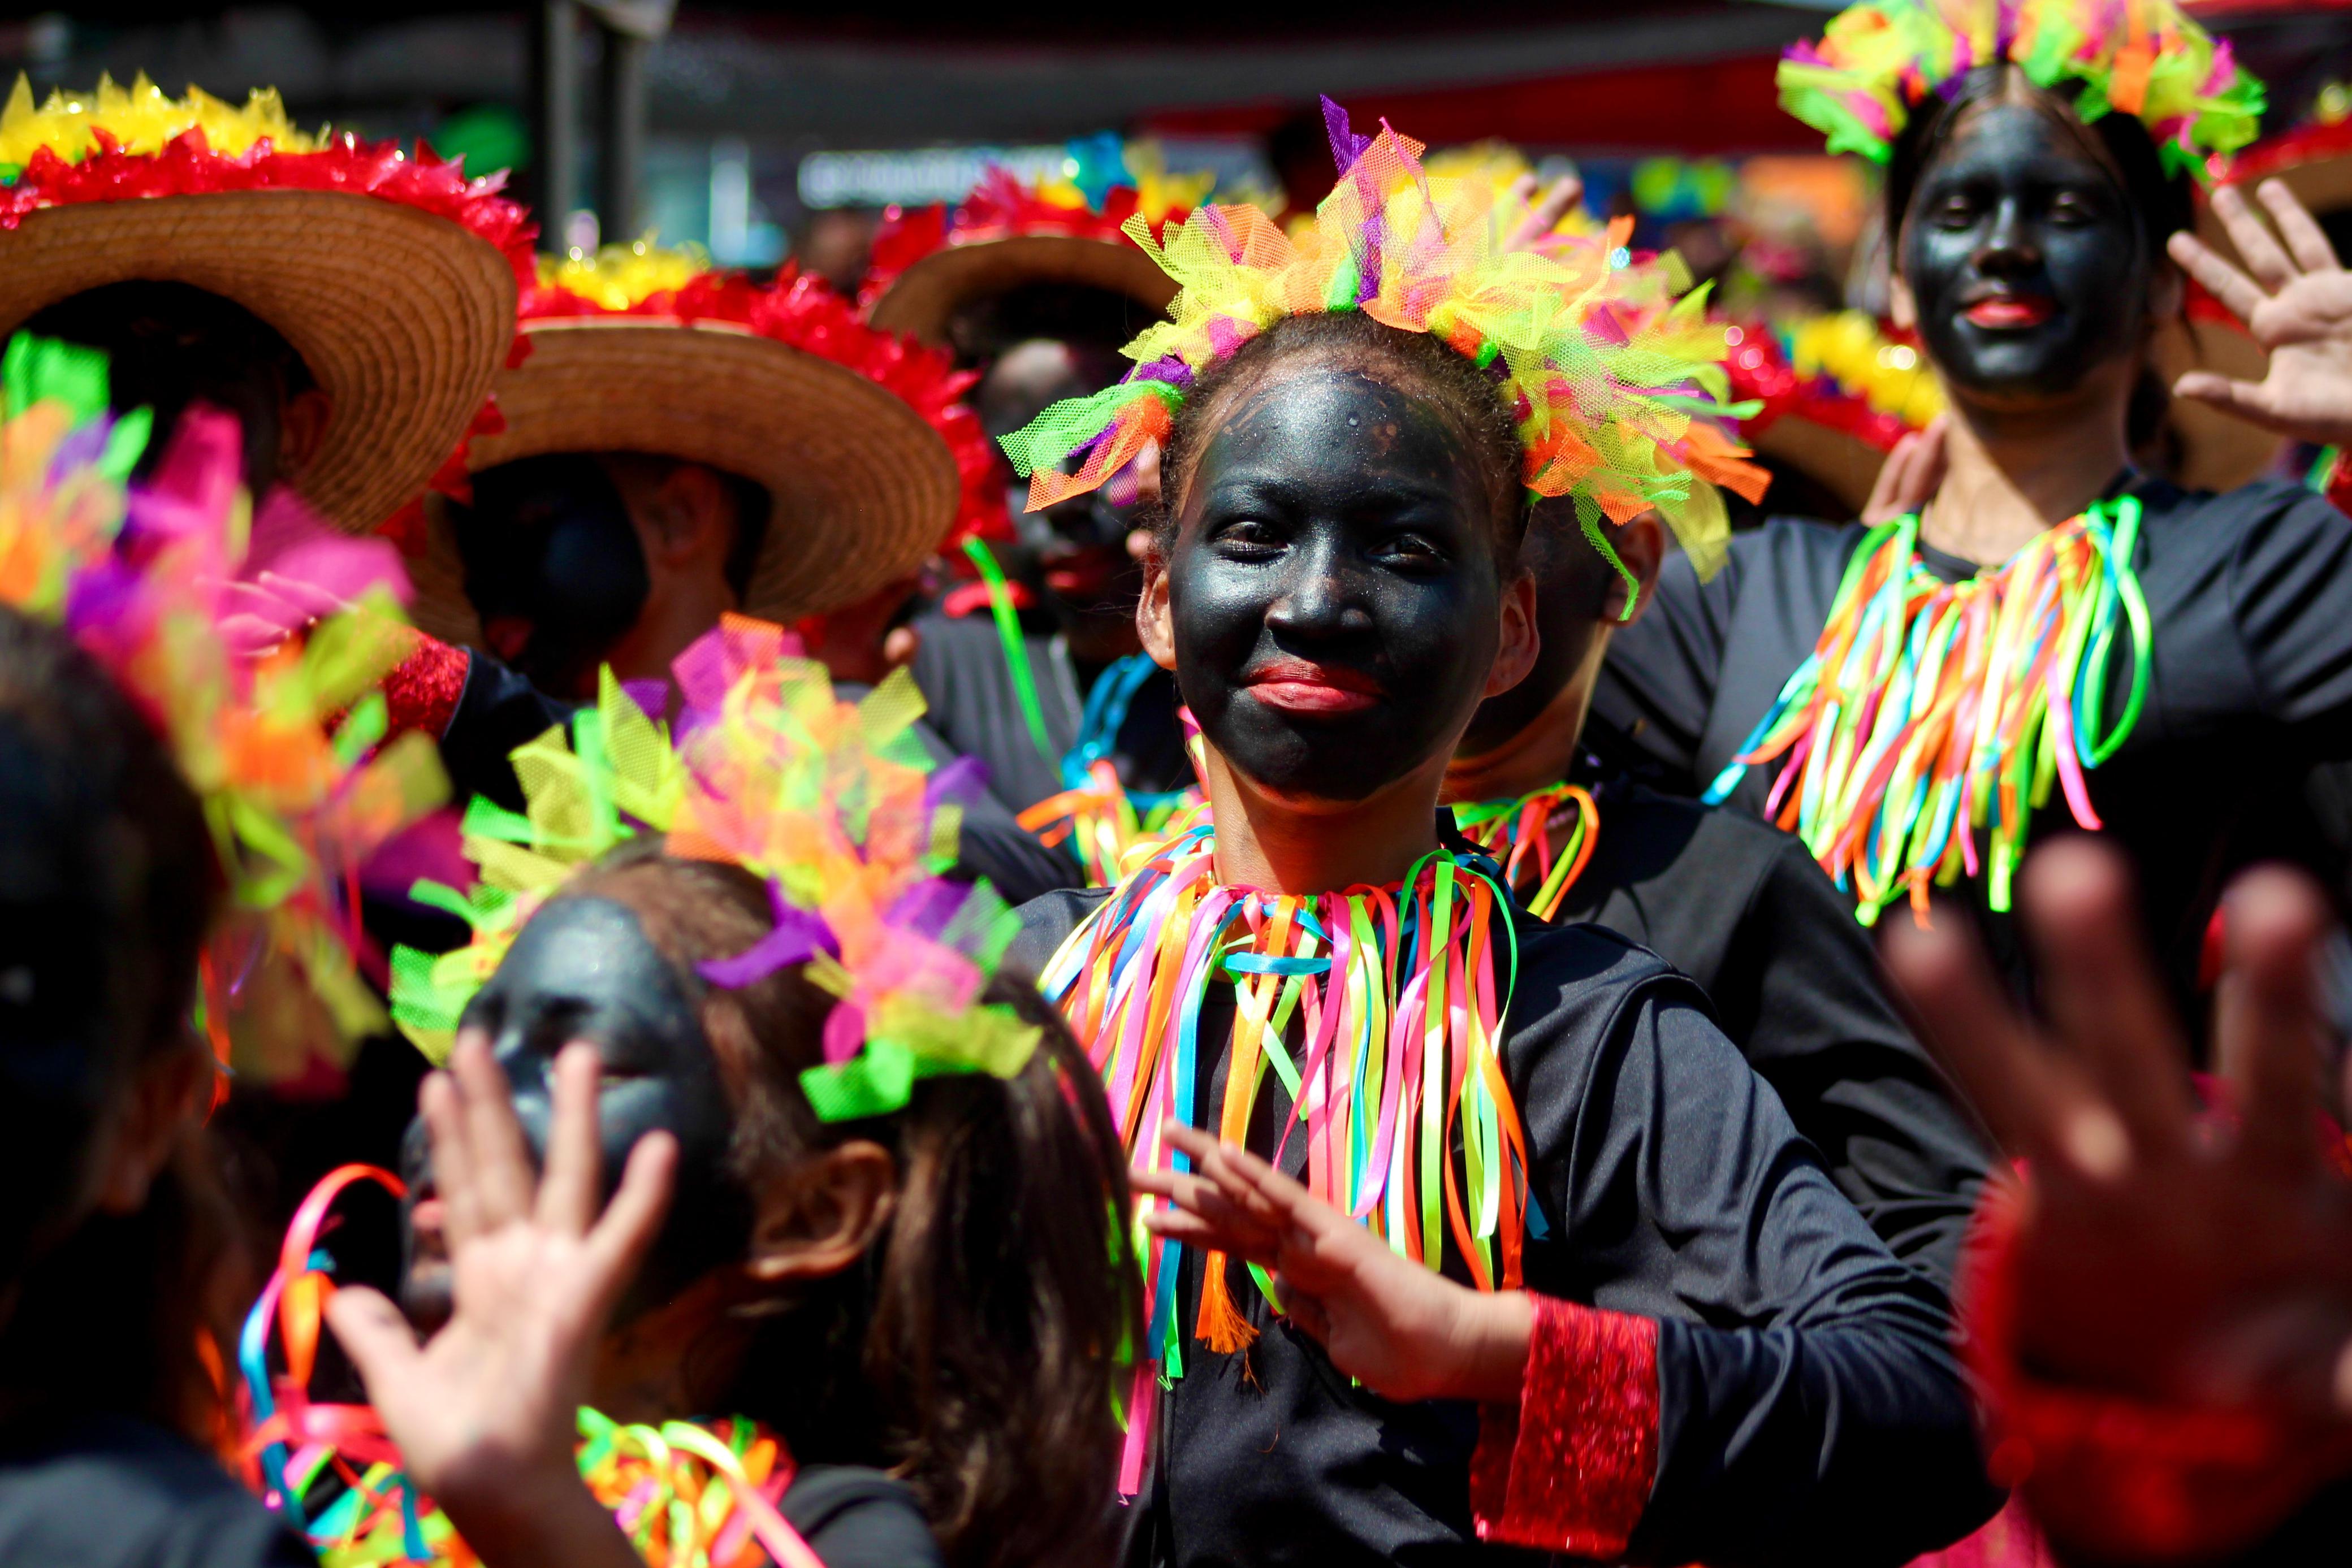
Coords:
pixel 1516 654
pixel 822 1216
pixel 165 1100
pixel 302 422
pixel 1641 546
pixel 692 516
pixel 1902 306
pixel 1153 624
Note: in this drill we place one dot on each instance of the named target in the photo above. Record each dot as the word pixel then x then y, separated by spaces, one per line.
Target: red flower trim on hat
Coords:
pixel 2289 150
pixel 187 166
pixel 1000 207
pixel 1759 372
pixel 805 313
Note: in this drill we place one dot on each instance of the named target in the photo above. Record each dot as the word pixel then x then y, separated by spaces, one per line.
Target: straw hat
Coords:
pixel 930 264
pixel 871 461
pixel 394 277
pixel 1836 396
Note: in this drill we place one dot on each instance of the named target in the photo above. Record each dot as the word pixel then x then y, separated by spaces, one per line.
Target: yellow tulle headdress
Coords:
pixel 1880 61
pixel 280 746
pixel 836 805
pixel 1608 360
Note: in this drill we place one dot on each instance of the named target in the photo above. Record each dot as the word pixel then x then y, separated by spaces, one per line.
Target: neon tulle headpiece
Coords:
pixel 1609 359
pixel 1879 61
pixel 801 312
pixel 835 805
pixel 280 748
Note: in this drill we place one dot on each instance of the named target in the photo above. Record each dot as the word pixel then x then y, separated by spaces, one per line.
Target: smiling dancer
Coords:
pixel 2056 639
pixel 1648 1278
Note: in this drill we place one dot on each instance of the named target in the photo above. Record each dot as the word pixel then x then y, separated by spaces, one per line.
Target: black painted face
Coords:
pixel 1333 588
pixel 2029 268
pixel 584 969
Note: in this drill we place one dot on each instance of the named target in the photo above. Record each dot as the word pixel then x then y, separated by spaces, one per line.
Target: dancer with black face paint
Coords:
pixel 891 1297
pixel 1579 1209
pixel 2055 639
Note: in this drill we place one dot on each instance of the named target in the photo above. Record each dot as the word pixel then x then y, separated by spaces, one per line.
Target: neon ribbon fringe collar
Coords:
pixel 1518 834
pixel 835 805
pixel 688 1494
pixel 1879 62
pixel 1931 710
pixel 1608 360
pixel 1396 999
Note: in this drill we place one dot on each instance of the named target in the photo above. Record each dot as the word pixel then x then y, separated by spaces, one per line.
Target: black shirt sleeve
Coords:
pixel 1658 685
pixel 111 1492
pixel 1810 1409
pixel 2290 596
pixel 1819 1029
pixel 858 1517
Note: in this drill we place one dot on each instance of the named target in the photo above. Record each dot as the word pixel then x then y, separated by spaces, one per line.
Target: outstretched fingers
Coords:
pixel 2306 242
pixel 375 1336
pixel 2256 245
pixel 500 1160
pixel 1966 1020
pixel 2267 1028
pixel 2104 1002
pixel 569 1189
pixel 618 1243
pixel 2239 294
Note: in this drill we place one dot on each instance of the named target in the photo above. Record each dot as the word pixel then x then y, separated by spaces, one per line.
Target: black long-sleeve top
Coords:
pixel 1742 909
pixel 2250 598
pixel 1799 1401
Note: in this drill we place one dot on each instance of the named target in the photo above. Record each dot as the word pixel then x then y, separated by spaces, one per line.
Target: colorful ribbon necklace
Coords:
pixel 1395 1066
pixel 1930 710
pixel 1519 832
pixel 688 1494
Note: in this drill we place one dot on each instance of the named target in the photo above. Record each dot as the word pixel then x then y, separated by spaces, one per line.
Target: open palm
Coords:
pixel 484 1411
pixel 2296 303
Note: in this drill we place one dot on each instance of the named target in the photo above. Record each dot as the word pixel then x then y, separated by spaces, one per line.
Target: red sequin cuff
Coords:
pixel 422 689
pixel 1569 1468
pixel 2109 1476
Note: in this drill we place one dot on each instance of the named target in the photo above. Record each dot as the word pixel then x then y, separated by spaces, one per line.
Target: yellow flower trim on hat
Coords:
pixel 1847 346
pixel 622 277
pixel 142 118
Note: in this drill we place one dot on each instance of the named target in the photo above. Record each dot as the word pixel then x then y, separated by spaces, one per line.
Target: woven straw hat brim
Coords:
pixel 402 317
pixel 2219 451
pixel 1844 464
pixel 862 489
pixel 925 297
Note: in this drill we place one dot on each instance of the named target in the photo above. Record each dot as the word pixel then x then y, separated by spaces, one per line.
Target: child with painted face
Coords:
pixel 1736 906
pixel 891 1259
pixel 2056 640
pixel 1633 1296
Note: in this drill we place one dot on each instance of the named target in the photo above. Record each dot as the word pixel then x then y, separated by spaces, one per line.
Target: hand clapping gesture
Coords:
pixel 2297 305
pixel 1402 1330
pixel 483 1412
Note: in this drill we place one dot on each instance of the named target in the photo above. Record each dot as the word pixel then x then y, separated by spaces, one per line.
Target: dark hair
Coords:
pixel 978 1348
pixel 173 344
pixel 108 884
pixel 1469 399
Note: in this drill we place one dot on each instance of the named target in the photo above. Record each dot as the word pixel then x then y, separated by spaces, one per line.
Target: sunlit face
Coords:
pixel 583 969
pixel 1332 590
pixel 2028 267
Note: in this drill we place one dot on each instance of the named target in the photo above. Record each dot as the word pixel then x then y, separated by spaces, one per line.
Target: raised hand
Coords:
pixel 483 1412
pixel 2160 1256
pixel 2297 304
pixel 1403 1332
